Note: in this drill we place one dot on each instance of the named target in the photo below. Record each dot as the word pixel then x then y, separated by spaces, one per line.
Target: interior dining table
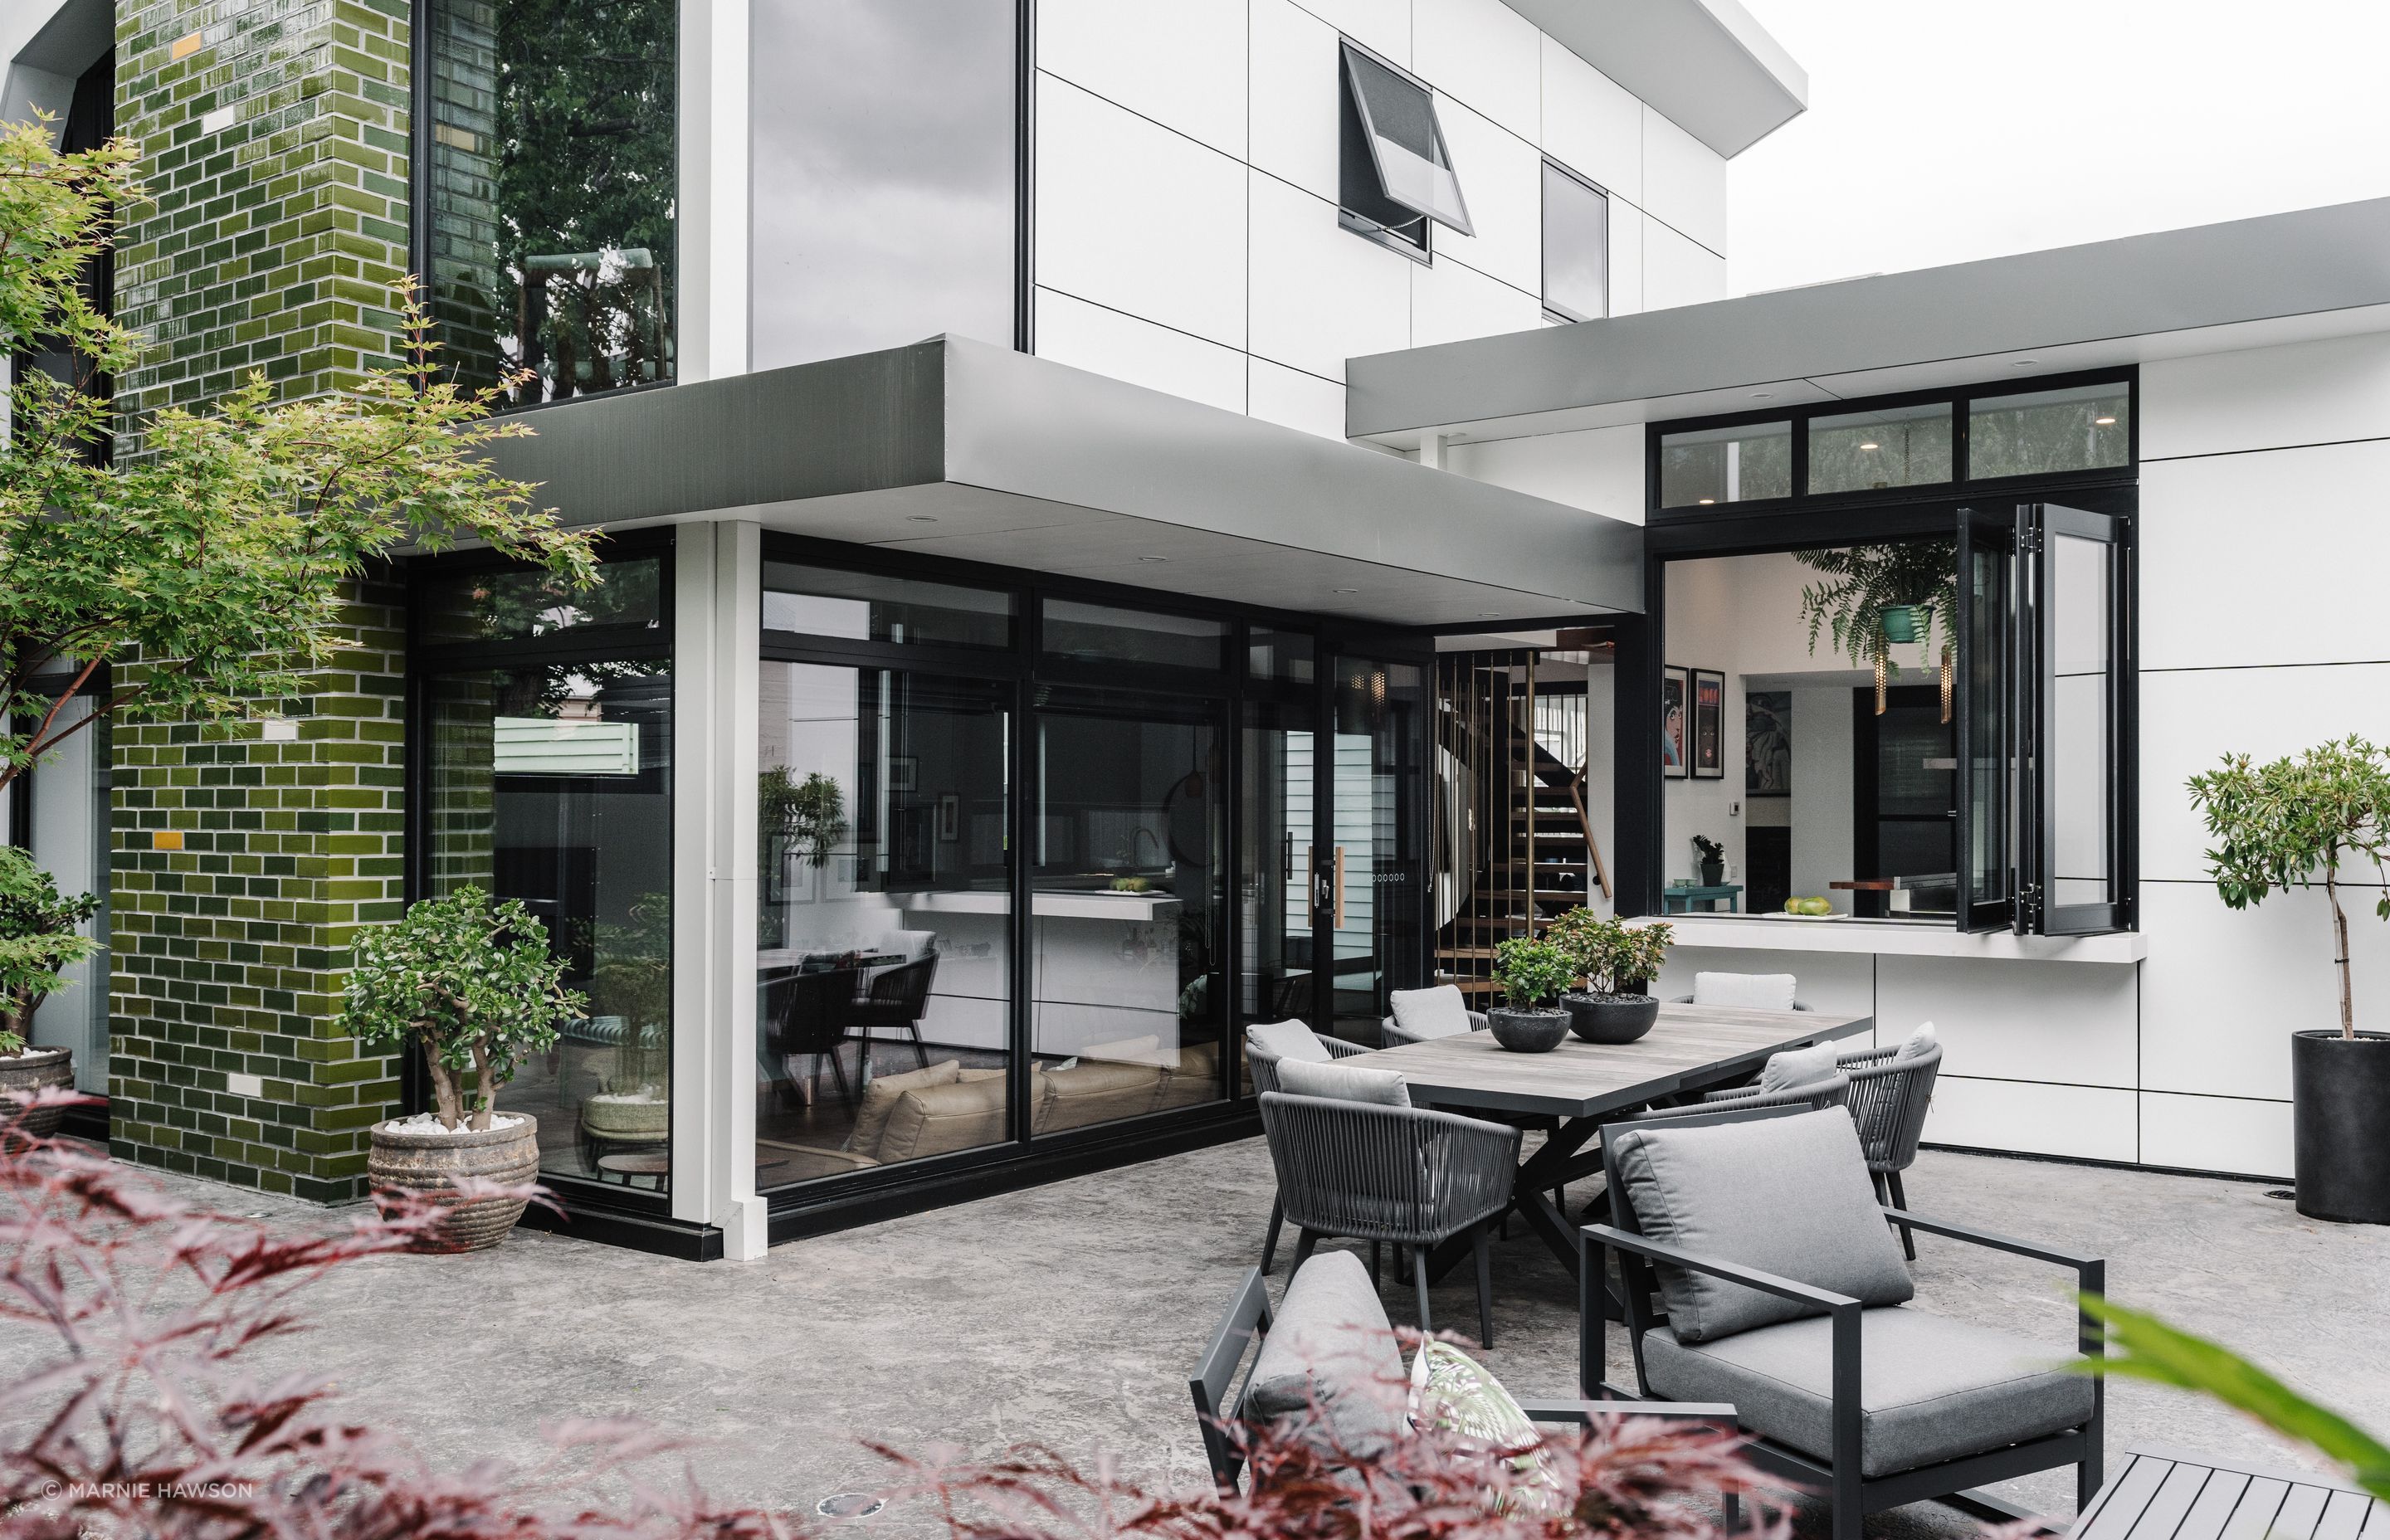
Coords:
pixel 1575 1088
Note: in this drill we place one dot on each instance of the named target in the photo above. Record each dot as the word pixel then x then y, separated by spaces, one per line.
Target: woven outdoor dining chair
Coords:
pixel 1263 1064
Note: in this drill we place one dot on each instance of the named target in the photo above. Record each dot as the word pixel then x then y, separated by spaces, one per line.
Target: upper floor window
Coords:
pixel 550 245
pixel 1394 173
pixel 886 151
pixel 1577 247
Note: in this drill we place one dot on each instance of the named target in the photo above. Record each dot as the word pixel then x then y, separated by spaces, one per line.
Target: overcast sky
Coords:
pixel 1944 132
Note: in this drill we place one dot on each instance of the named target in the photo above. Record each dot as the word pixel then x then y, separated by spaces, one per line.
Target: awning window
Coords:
pixel 1397 120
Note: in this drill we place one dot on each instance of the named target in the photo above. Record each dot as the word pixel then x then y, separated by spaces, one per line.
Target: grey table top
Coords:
pixel 1690 1047
pixel 2161 1494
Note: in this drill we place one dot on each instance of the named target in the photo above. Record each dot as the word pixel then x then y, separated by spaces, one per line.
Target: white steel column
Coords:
pixel 717 608
pixel 713 223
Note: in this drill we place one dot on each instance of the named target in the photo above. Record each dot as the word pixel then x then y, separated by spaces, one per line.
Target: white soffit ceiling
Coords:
pixel 1705 65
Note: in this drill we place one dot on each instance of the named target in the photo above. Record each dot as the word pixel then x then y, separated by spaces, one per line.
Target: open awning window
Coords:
pixel 1405 144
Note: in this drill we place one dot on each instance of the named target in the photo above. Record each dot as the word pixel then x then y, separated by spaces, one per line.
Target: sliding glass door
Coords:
pixel 1374 856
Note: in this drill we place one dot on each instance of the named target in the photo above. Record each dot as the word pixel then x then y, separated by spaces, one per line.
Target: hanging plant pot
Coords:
pixel 1899 622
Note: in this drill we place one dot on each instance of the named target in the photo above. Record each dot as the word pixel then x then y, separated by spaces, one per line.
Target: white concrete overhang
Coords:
pixel 1705 65
pixel 959 449
pixel 2210 288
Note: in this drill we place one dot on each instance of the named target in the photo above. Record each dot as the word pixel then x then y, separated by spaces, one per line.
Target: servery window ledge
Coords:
pixel 1757 933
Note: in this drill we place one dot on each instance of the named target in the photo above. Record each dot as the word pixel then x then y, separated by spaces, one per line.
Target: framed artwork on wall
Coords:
pixel 1676 737
pixel 1767 743
pixel 1709 724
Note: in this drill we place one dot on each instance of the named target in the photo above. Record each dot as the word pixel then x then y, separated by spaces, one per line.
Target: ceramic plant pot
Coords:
pixel 1611 1017
pixel 2340 1109
pixel 1528 1031
pixel 30 1071
pixel 429 1162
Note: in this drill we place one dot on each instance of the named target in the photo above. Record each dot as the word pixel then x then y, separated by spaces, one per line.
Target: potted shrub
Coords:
pixel 474 984
pixel 38 939
pixel 1713 860
pixel 1532 974
pixel 2280 825
pixel 1612 962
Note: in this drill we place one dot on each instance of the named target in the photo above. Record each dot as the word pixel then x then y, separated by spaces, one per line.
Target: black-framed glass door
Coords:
pixel 1985 720
pixel 1370 912
pixel 2075 636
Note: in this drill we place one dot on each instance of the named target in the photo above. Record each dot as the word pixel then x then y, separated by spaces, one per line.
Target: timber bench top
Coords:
pixel 2163 1495
pixel 1690 1048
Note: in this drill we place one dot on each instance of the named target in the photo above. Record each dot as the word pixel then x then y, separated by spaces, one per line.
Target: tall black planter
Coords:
pixel 2339 1118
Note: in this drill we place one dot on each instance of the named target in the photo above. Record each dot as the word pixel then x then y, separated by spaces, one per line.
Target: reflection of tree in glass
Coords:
pixel 514 603
pixel 584 188
pixel 808 816
pixel 632 979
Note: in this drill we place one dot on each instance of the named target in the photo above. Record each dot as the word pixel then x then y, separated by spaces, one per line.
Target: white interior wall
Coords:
pixel 1231 106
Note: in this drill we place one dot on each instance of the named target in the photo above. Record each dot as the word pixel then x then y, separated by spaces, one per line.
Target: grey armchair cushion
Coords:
pixel 1931 1388
pixel 1752 990
pixel 1917 1044
pixel 1300 1077
pixel 1789 1195
pixel 1333 1344
pixel 1288 1040
pixel 1422 1015
pixel 1798 1067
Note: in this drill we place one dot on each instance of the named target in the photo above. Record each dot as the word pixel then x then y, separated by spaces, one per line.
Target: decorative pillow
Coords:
pixel 1332 1345
pixel 1785 1195
pixel 964 1114
pixel 1749 991
pixel 880 1099
pixel 1917 1045
pixel 1799 1067
pixel 1128 1050
pixel 1452 1394
pixel 1426 1013
pixel 1288 1040
pixel 1299 1077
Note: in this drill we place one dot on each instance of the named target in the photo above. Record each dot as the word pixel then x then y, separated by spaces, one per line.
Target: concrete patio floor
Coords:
pixel 1068 1315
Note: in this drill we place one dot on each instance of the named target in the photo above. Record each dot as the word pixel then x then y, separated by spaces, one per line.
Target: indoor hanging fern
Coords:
pixel 1864 582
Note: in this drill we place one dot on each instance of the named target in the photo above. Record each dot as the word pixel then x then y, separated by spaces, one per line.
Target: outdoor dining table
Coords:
pixel 1581 1085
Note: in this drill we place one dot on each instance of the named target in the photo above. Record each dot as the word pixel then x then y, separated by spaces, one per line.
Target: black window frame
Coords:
pixel 1361 194
pixel 1970 513
pixel 1962 481
pixel 1554 312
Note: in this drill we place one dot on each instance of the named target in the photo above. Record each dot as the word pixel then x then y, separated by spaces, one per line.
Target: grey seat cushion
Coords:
pixel 1342 1081
pixel 1288 1040
pixel 1931 1388
pixel 1799 1066
pixel 1331 1353
pixel 1789 1195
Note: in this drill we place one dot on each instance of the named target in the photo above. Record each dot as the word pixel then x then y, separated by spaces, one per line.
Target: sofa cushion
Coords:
pixel 1196 1078
pixel 1333 1350
pixel 1788 1195
pixel 1287 1040
pixel 1796 1067
pixel 1749 991
pixel 879 1099
pixel 1095 1091
pixel 964 1114
pixel 1931 1388
pixel 1421 1015
pixel 1343 1083
pixel 1917 1044
pixel 1451 1392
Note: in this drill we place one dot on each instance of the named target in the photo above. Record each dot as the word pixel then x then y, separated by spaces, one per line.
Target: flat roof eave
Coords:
pixel 954 448
pixel 2211 288
pixel 1707 66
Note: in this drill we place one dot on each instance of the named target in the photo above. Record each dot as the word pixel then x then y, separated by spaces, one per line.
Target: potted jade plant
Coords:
pixel 474 984
pixel 37 940
pixel 1531 974
pixel 2285 825
pixel 1711 857
pixel 1612 963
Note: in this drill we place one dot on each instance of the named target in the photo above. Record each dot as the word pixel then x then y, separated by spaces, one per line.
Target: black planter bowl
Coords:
pixel 1611 1017
pixel 1528 1031
pixel 2340 1107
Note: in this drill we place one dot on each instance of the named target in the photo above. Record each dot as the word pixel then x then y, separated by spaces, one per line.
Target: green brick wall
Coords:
pixel 276 155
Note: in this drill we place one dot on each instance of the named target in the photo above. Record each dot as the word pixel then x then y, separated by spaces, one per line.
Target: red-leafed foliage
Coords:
pixel 125 1314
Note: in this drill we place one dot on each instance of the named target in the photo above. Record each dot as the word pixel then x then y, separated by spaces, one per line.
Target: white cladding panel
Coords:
pixel 1451 303
pixel 1592 124
pixel 1320 296
pixel 2233 1134
pixel 1502 177
pixel 1109 342
pixel 1294 96
pixel 1626 223
pixel 2266 398
pixel 1482 53
pixel 1182 64
pixel 1293 399
pixel 1684 181
pixel 1678 271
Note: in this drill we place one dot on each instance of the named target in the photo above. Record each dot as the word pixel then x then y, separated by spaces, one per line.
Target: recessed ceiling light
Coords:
pixel 2025 363
pixel 920 518
pixel 1348 590
pixel 1871 446
pixel 1707 501
pixel 1763 395
pixel 2103 422
pixel 1153 559
pixel 1487 614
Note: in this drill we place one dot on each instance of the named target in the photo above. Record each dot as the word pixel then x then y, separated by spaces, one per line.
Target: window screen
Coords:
pixel 1395 117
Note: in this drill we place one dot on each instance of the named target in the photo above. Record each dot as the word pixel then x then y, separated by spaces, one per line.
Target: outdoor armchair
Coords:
pixel 1842 1383
pixel 1407 1175
pixel 1263 1064
pixel 1328 1301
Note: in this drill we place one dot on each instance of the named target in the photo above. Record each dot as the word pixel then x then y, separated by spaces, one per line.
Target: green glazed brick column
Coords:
pixel 274 145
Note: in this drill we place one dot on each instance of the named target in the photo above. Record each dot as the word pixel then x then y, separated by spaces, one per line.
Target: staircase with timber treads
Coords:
pixel 1514 841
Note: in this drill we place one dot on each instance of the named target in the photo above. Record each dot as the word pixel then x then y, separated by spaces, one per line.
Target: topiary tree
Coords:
pixel 2279 825
pixel 37 940
pixel 474 982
